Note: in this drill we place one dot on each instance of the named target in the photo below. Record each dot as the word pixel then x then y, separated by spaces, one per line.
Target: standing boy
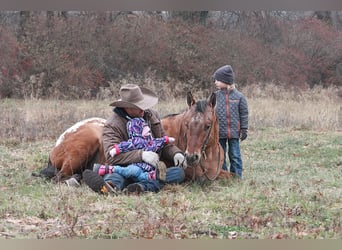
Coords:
pixel 232 113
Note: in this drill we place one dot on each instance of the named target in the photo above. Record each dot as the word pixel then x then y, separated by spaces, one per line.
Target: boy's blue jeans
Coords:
pixel 174 175
pixel 233 154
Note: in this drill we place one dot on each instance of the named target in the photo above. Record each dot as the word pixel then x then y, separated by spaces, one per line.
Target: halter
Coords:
pixel 203 148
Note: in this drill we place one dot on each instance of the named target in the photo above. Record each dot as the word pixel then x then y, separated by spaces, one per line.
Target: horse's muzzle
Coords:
pixel 192 159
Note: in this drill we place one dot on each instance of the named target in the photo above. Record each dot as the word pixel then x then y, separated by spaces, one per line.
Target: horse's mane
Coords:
pixel 170 115
pixel 200 106
pixel 173 114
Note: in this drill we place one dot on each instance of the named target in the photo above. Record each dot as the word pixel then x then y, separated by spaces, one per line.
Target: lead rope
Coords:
pixel 217 169
pixel 185 143
pixel 205 144
pixel 185 138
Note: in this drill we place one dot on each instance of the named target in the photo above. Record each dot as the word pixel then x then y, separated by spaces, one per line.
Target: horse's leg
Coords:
pixel 224 174
pixel 97 157
pixel 57 178
pixel 72 165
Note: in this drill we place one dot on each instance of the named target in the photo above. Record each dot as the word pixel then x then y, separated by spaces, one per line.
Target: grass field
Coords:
pixel 291 189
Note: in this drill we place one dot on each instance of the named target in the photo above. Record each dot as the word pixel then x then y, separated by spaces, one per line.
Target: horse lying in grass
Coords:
pixel 77 149
pixel 195 131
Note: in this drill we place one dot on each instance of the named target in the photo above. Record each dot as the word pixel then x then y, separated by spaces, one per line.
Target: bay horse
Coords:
pixel 76 149
pixel 196 132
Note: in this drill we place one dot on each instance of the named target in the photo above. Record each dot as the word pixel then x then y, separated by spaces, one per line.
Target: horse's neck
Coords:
pixel 181 136
pixel 214 153
pixel 214 135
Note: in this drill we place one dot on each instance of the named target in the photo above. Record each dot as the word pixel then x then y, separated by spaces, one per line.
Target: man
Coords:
pixel 135 102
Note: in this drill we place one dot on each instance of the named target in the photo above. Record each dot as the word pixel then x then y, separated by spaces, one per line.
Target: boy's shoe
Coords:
pixel 102 169
pixel 235 176
pixel 135 188
pixel 97 184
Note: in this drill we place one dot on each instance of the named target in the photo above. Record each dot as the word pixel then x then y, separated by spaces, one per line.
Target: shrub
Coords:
pixel 82 55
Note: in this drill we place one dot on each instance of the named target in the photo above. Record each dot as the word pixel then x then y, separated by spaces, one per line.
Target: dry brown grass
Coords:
pixel 277 106
pixel 291 190
pixel 269 105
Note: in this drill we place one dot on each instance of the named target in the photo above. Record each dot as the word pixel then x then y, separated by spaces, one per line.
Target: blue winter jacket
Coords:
pixel 232 112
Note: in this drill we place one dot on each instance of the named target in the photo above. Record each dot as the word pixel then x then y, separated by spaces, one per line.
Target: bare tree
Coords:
pixel 194 17
pixel 24 17
pixel 336 19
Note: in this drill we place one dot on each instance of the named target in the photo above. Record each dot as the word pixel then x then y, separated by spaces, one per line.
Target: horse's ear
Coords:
pixel 190 99
pixel 211 101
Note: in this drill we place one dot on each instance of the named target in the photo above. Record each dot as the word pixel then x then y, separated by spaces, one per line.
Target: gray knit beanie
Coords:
pixel 225 74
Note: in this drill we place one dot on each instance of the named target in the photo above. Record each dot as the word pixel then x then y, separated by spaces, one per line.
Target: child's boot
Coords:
pixel 103 169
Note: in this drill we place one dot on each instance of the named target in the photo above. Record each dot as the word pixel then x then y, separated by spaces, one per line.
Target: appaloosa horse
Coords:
pixel 196 133
pixel 77 149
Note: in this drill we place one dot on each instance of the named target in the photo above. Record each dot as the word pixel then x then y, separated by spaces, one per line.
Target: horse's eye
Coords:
pixel 207 127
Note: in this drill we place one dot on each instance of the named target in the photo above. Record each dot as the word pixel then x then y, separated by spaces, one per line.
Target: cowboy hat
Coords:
pixel 133 96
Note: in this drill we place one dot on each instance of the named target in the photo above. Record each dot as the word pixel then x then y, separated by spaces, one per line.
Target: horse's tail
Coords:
pixel 48 172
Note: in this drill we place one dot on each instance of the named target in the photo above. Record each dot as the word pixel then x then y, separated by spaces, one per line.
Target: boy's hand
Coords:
pixel 243 135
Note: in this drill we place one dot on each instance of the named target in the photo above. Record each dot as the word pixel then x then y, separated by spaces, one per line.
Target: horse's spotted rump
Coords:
pixel 75 127
pixel 77 149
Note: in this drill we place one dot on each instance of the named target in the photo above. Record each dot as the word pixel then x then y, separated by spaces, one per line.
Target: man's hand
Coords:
pixel 150 157
pixel 179 160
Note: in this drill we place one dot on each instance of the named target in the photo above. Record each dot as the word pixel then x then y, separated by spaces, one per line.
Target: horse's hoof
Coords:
pixel 72 182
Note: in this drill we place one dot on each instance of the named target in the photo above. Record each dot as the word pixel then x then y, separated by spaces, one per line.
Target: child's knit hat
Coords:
pixel 225 74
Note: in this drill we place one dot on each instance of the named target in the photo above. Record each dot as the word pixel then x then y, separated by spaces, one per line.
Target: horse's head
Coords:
pixel 196 133
pixel 197 127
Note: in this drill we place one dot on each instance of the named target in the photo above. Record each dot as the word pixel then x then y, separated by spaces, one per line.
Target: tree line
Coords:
pixel 73 54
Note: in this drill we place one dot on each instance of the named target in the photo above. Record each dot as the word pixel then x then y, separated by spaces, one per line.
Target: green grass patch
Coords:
pixel 291 188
